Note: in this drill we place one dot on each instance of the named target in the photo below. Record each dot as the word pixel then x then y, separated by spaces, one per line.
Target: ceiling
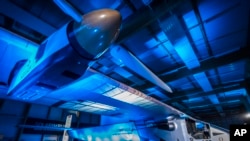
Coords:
pixel 199 48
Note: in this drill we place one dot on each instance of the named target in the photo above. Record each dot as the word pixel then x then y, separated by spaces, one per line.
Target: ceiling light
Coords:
pixel 248 115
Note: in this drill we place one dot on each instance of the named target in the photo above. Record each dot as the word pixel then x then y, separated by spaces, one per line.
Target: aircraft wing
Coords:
pixel 97 93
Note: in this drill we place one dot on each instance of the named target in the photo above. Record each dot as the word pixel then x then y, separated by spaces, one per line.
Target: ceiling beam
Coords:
pixel 199 90
pixel 12 11
pixel 180 107
pixel 205 65
pixel 208 106
pixel 144 17
pixel 194 4
pixel 182 96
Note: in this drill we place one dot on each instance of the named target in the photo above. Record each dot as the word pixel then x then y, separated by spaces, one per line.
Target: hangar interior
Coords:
pixel 199 48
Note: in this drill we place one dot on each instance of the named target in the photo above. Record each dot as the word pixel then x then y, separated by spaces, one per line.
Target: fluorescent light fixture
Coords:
pixel 248 115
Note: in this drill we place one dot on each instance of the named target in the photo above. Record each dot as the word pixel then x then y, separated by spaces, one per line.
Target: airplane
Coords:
pixel 80 43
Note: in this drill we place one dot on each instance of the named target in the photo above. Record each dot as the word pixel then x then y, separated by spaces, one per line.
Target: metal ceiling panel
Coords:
pixel 182 84
pixel 210 8
pixel 199 43
pixel 234 72
pixel 227 23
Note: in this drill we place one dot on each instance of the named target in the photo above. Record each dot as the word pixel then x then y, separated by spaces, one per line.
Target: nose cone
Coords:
pixel 97 31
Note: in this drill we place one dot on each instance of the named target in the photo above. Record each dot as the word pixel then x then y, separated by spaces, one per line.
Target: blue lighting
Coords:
pixel 199 42
pixel 186 53
pixel 113 4
pixel 182 84
pixel 154 91
pixel 17 41
pixel 21 48
pixel 213 99
pixel 123 72
pixel 190 19
pixel 99 81
pixel 69 10
pixel 211 8
pixel 199 125
pixel 233 93
pixel 234 101
pixel 159 52
pixel 100 44
pixel 176 35
pixel 202 80
pixel 151 43
pixel 161 36
pixel 89 106
pixel 193 100
pixel 121 132
pixel 168 46
pixel 126 11
pixel 196 34
pixel 232 72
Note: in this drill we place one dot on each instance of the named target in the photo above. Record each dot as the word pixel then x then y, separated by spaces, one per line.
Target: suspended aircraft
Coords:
pixel 75 47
